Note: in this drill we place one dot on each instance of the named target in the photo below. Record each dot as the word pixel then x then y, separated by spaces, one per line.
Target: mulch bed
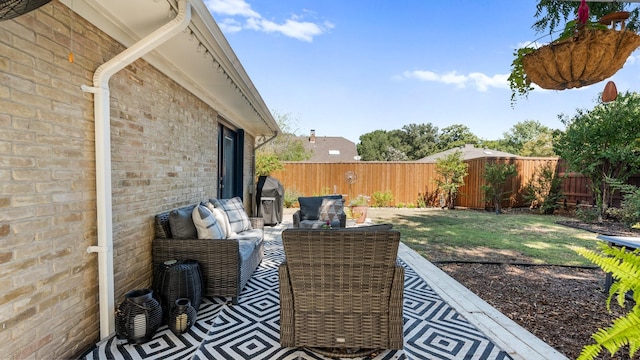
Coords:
pixel 562 306
pixel 607 227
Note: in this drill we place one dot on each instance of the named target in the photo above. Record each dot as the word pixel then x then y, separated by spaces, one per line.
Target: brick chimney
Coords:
pixel 312 138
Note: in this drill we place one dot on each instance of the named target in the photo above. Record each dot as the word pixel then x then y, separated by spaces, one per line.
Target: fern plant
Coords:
pixel 624 267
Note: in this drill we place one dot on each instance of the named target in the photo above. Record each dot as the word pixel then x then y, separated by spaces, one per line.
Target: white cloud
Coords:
pixel 229 25
pixel 453 78
pixel 231 8
pixel 295 27
pixel 301 30
pixel 483 82
pixel 422 75
pixel 480 81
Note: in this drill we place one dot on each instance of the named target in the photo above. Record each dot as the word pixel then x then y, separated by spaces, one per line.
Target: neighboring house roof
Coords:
pixel 199 58
pixel 468 152
pixel 330 148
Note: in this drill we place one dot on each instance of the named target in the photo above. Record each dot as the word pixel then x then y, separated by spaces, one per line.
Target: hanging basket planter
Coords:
pixel 13 8
pixel 587 58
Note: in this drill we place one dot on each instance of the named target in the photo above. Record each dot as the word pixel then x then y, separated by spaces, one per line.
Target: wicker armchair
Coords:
pixel 308 214
pixel 341 288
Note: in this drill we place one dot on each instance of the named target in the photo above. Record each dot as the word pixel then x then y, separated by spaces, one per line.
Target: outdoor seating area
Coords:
pixel 144 179
pixel 439 317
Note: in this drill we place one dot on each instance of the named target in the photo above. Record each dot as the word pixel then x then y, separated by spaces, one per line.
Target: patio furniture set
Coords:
pixel 341 289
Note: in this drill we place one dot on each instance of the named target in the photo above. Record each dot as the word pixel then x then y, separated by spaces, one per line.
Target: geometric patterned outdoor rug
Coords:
pixel 250 330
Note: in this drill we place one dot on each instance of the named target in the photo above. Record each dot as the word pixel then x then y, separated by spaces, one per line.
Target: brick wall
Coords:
pixel 164 155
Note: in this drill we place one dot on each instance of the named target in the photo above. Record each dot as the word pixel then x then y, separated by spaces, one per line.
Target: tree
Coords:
pixel 496 176
pixel 393 154
pixel 529 133
pixel 267 163
pixel 397 147
pixel 541 145
pixel 493 144
pixel 412 142
pixel 285 147
pixel 379 145
pixel 602 143
pixel 544 190
pixel 455 136
pixel 451 171
pixel 419 140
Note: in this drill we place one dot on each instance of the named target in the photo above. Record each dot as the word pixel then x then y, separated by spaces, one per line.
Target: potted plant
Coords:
pixel 585 53
pixel 359 206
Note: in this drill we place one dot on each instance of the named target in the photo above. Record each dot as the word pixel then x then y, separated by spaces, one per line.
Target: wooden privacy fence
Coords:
pixel 407 181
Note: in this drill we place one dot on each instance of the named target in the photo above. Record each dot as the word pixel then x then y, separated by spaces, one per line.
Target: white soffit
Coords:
pixel 229 89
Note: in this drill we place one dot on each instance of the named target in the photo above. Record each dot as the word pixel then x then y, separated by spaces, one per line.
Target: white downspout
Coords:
pixel 102 116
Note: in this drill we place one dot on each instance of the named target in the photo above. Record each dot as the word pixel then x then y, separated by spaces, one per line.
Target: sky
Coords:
pixel 350 67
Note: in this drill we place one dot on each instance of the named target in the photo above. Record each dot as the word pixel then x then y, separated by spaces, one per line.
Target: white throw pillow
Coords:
pixel 206 224
pixel 331 209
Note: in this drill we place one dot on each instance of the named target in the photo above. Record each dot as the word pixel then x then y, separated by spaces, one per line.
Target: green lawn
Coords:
pixel 469 235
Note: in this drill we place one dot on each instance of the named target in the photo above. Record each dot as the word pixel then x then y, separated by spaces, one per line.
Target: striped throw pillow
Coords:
pixel 206 224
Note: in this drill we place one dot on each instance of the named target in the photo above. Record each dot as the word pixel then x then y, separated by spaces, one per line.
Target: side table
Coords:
pixel 175 279
pixel 257 222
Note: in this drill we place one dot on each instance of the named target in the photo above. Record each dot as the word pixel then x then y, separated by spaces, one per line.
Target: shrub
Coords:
pixel 614 214
pixel 360 200
pixel 629 213
pixel 631 207
pixel 290 198
pixel 451 171
pixel 427 198
pixel 267 163
pixel 324 191
pixel 496 176
pixel 588 214
pixel 544 191
pixel 382 198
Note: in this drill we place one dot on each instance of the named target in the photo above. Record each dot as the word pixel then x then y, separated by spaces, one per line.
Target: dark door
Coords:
pixel 230 144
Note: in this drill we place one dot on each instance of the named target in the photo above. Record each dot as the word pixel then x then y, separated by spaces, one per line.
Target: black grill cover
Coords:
pixel 270 199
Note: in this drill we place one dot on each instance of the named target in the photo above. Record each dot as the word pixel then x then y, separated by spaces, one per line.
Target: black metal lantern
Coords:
pixel 12 8
pixel 138 317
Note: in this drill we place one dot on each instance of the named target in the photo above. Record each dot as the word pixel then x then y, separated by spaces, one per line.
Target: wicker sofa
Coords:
pixel 309 214
pixel 341 288
pixel 226 264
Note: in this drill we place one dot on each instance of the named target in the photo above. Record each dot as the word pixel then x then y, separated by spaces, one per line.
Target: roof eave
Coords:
pixel 190 58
